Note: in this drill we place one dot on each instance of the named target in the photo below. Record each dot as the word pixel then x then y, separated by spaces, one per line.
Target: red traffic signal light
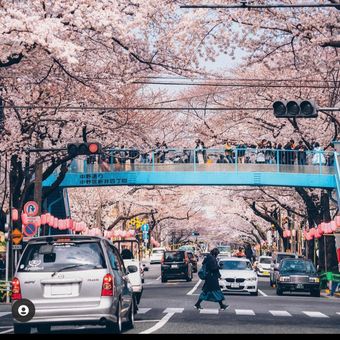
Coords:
pixel 76 149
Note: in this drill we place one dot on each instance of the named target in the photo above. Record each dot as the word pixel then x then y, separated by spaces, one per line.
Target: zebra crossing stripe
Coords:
pixel 279 313
pixel 143 310
pixel 315 314
pixel 244 312
pixel 4 313
pixel 173 310
pixel 208 311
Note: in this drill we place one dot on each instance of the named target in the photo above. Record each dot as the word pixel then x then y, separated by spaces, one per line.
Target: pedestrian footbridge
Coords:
pixel 239 168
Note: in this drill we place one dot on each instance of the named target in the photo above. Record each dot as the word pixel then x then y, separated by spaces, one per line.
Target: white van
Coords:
pixel 157 255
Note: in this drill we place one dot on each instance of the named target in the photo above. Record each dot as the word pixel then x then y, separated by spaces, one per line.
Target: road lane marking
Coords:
pixel 195 287
pixel 261 292
pixel 208 311
pixel 158 278
pixel 315 314
pixel 173 310
pixel 159 324
pixel 4 313
pixel 244 312
pixel 147 320
pixel 279 313
pixel 143 310
pixel 8 331
pixel 338 313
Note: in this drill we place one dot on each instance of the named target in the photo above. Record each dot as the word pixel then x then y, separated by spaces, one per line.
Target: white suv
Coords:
pixel 157 255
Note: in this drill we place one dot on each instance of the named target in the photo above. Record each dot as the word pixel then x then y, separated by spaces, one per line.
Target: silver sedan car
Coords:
pixel 73 280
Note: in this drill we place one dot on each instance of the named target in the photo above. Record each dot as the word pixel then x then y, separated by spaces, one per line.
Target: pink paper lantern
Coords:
pixel 43 219
pixel 48 217
pixel 37 222
pixel 51 221
pixel 24 219
pixel 317 234
pixel 15 214
pixel 333 226
pixel 55 223
pixel 337 221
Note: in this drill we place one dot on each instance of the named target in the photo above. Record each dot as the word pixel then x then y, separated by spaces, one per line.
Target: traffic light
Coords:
pixel 76 149
pixel 295 109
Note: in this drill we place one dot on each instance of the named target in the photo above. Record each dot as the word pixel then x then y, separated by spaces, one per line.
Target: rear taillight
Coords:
pixel 16 290
pixel 108 283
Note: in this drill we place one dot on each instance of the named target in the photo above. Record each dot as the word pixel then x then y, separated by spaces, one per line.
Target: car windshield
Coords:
pixel 285 256
pixel 177 256
pixel 298 266
pixel 265 260
pixel 158 251
pixel 235 265
pixel 69 255
pixel 224 249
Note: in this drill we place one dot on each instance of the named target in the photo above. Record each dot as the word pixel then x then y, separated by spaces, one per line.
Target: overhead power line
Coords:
pixel 150 108
pixel 245 5
pixel 147 108
pixel 233 85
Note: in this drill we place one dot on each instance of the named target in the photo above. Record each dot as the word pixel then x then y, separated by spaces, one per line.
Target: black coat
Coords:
pixel 211 282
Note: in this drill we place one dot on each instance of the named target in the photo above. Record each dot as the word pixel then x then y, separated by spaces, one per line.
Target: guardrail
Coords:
pixel 235 160
pixel 5 291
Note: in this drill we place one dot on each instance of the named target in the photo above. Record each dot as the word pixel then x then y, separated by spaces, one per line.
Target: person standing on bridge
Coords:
pixel 211 290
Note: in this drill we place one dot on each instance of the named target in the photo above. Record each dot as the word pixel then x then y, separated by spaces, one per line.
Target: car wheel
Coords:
pixel 22 329
pixel 131 318
pixel 164 279
pixel 315 293
pixel 116 328
pixel 254 293
pixel 44 329
pixel 279 291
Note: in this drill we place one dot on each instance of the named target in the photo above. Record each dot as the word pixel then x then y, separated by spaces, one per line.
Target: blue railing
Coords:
pixel 215 160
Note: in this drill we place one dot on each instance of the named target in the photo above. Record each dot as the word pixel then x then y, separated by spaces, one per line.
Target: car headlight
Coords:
pixel 252 278
pixel 314 279
pixel 284 279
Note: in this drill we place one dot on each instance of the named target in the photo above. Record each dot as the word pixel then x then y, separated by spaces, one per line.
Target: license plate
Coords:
pixel 299 286
pixel 65 289
pixel 265 273
pixel 235 285
pixel 174 266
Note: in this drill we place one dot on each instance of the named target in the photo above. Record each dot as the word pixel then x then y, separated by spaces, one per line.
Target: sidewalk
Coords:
pixel 325 292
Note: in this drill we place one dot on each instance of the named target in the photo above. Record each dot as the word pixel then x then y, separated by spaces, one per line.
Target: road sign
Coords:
pixel 17 236
pixel 31 208
pixel 145 227
pixel 30 230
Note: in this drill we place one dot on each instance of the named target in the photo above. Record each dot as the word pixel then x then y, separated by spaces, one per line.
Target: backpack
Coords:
pixel 203 273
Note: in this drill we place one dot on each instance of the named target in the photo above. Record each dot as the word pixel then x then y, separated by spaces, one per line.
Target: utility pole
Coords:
pixel 38 178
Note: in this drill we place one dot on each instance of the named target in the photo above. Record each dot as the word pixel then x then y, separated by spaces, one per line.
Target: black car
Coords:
pixel 298 275
pixel 193 261
pixel 176 265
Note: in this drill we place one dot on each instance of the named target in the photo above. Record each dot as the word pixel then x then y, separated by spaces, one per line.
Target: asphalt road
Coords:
pixel 168 308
